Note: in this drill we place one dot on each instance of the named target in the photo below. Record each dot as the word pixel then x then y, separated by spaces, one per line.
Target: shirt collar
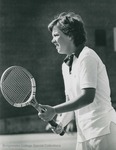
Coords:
pixel 69 59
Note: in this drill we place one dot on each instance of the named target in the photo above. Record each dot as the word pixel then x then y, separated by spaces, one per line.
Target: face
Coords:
pixel 62 42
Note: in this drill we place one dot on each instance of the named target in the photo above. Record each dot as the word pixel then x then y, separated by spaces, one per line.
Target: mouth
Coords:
pixel 56 45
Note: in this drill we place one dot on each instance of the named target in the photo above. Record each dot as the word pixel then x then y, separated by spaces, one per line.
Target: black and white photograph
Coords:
pixel 57 75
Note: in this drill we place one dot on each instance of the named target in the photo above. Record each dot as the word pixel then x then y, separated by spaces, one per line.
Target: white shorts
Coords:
pixel 105 142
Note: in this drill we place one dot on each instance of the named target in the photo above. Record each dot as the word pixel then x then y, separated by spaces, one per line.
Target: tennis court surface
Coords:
pixel 45 141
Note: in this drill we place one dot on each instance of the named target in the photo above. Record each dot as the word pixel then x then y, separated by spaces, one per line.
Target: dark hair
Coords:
pixel 71 25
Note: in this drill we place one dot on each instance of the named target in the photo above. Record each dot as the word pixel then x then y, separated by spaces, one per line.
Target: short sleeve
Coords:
pixel 88 72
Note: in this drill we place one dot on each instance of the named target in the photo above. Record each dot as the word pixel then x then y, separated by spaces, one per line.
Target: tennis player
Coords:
pixel 86 86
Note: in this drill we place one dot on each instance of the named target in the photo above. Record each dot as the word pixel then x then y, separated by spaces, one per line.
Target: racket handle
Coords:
pixel 39 109
pixel 54 124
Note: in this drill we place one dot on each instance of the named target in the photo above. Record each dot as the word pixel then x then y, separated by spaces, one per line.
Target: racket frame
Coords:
pixel 32 100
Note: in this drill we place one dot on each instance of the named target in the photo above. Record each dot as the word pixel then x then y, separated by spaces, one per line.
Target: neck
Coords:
pixel 79 49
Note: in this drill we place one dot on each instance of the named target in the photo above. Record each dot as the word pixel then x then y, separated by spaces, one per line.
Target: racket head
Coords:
pixel 18 86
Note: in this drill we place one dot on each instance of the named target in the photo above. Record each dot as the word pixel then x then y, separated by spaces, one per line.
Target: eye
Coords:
pixel 56 34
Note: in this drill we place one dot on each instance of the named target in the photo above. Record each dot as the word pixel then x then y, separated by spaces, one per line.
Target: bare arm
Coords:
pixel 86 98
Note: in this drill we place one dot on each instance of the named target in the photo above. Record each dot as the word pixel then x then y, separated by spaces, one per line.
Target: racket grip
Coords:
pixel 54 124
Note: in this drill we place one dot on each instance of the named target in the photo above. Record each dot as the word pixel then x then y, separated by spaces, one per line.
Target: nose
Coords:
pixel 53 41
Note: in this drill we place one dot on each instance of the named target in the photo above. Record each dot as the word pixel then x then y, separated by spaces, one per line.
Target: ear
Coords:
pixel 70 38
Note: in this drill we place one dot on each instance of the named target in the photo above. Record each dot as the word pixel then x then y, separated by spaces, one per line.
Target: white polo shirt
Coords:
pixel 88 71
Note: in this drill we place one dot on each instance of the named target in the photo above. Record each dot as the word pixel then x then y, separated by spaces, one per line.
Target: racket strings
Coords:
pixel 17 86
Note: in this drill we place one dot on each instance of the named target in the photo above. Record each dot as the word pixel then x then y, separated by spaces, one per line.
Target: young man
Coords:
pixel 86 86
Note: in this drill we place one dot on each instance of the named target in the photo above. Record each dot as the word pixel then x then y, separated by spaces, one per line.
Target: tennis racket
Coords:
pixel 19 88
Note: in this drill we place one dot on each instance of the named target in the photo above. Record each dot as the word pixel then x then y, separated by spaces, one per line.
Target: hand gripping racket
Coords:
pixel 19 88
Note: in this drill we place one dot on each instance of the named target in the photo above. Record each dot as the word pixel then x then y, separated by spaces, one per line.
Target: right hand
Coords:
pixel 48 114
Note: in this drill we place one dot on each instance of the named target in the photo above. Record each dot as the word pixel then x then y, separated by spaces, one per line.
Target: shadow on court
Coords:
pixel 49 141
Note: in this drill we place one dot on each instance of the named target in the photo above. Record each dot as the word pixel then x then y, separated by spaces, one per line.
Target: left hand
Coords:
pixel 57 129
pixel 48 114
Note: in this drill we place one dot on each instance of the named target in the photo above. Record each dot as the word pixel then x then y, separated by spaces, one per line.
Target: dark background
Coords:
pixel 25 41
